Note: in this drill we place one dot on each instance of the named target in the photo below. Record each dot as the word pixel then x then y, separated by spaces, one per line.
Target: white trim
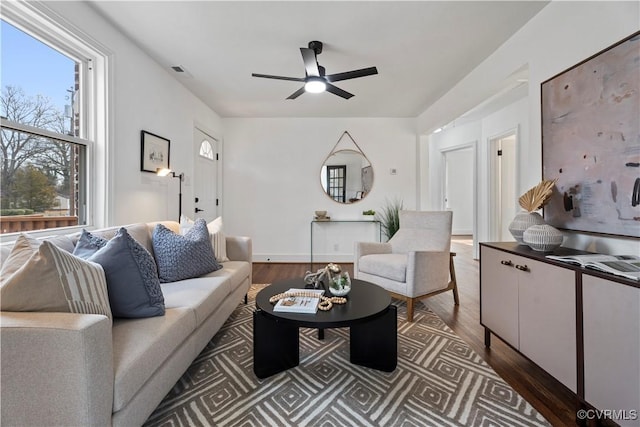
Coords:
pixel 9 124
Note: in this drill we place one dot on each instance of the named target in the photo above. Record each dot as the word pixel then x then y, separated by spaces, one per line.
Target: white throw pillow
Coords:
pixel 218 239
pixel 185 224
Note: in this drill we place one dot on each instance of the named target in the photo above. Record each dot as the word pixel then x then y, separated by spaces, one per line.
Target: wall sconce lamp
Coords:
pixel 169 172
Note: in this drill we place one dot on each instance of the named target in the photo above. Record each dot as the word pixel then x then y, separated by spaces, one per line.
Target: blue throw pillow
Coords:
pixel 183 257
pixel 132 276
pixel 88 244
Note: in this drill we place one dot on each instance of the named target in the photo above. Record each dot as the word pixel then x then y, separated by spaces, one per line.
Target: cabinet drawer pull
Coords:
pixel 508 262
pixel 522 267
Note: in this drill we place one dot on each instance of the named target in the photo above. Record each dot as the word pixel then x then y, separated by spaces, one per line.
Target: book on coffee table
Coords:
pixel 300 304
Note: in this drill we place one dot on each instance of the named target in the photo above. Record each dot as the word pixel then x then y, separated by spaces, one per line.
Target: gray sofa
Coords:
pixel 78 370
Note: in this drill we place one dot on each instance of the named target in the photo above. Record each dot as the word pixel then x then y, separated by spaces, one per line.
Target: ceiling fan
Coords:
pixel 316 80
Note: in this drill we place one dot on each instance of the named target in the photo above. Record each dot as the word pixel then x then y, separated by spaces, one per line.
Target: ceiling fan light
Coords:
pixel 315 85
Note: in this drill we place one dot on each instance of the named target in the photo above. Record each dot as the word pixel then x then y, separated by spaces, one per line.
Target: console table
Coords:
pixel 579 325
pixel 341 221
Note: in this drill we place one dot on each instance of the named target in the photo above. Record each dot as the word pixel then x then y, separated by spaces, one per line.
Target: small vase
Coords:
pixel 521 222
pixel 340 285
pixel 543 238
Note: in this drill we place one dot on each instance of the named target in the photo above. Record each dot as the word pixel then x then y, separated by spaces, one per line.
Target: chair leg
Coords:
pixel 409 309
pixel 452 272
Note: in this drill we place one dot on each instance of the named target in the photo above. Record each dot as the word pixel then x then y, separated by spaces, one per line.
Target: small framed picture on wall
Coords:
pixel 154 152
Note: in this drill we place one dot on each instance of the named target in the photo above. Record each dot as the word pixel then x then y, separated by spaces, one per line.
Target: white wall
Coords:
pixel 272 181
pixel 143 96
pixel 561 35
pixel 271 166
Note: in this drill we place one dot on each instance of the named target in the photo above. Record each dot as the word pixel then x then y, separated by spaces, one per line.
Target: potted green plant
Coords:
pixel 369 214
pixel 390 217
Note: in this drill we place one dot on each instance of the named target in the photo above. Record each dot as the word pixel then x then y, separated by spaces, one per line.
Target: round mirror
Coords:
pixel 346 176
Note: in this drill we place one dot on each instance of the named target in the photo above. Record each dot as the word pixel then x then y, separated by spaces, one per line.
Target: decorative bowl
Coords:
pixel 543 237
pixel 321 214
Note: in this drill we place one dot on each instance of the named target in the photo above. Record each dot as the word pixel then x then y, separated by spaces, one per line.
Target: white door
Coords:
pixel 459 189
pixel 205 187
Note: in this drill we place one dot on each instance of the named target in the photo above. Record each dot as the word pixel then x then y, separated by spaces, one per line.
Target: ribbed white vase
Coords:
pixel 543 238
pixel 521 222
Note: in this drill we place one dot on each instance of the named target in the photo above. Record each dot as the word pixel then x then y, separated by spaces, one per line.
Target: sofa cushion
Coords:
pixel 38 276
pixel 391 266
pixel 203 294
pixel 234 273
pixel 141 346
pixel 183 257
pixel 132 277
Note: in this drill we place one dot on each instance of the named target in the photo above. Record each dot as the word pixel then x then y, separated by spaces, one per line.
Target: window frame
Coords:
pixel 45 25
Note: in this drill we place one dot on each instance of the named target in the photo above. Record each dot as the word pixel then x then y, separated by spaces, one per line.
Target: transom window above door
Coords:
pixel 206 150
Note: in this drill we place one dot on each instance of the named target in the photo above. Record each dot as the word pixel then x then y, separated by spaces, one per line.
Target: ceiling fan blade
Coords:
pixel 352 74
pixel 296 94
pixel 337 91
pixel 267 76
pixel 310 62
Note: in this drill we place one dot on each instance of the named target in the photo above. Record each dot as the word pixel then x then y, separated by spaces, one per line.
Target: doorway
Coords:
pixel 205 187
pixel 503 198
pixel 459 187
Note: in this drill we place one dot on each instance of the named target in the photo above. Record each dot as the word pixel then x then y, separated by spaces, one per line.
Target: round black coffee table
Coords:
pixel 368 314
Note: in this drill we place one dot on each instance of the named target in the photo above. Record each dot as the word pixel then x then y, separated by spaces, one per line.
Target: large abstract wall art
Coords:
pixel 591 142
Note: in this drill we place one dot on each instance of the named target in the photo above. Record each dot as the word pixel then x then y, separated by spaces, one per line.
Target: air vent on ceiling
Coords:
pixel 181 71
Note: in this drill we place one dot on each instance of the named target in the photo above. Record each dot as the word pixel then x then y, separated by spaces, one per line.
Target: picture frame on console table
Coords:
pixel 154 152
pixel 591 142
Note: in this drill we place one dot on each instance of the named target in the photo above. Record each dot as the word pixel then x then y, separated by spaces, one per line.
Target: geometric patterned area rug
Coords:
pixel 439 381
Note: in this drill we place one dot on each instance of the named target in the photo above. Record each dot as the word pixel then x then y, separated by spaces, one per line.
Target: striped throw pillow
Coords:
pixel 51 280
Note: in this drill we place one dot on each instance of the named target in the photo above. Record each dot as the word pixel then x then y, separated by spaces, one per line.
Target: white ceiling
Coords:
pixel 421 49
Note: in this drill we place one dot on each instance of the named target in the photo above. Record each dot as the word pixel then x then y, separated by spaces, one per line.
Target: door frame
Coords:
pixel 218 149
pixel 493 179
pixel 443 180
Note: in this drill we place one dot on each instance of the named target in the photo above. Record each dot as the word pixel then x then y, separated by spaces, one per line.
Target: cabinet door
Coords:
pixel 547 302
pixel 611 315
pixel 499 294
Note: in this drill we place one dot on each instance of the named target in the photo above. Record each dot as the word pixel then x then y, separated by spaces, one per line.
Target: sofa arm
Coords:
pixel 239 248
pixel 57 369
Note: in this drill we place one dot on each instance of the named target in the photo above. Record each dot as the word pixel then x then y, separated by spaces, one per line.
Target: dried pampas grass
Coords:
pixel 537 196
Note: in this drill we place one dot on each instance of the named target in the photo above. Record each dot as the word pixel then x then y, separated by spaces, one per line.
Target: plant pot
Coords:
pixel 521 222
pixel 543 238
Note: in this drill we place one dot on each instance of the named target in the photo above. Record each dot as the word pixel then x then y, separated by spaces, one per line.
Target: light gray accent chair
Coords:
pixel 415 263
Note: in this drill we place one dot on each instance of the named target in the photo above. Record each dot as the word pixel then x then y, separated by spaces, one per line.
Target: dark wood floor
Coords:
pixel 554 401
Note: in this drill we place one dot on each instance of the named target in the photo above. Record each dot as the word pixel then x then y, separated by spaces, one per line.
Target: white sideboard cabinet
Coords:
pixel 581 326
pixel 531 306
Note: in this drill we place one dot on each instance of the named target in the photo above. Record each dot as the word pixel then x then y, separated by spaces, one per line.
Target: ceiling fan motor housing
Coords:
pixel 316 46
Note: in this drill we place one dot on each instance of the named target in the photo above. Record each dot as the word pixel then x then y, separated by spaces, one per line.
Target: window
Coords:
pixel 51 81
pixel 206 150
